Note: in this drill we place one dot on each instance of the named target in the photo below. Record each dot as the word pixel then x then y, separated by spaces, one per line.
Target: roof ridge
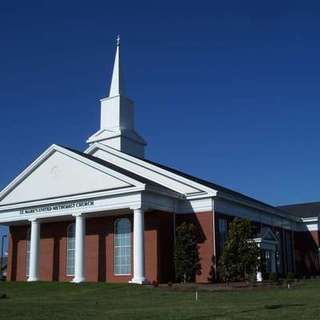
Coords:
pixel 299 204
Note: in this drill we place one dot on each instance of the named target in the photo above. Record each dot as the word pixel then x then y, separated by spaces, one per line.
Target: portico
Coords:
pixel 87 196
pixel 121 194
pixel 269 246
pixel 80 235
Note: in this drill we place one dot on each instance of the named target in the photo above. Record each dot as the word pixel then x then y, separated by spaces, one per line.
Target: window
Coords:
pixel 267 260
pixel 289 251
pixel 70 249
pixel 27 252
pixel 223 231
pixel 122 247
pixel 279 252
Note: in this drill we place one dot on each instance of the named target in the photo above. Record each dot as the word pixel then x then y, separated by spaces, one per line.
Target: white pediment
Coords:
pixel 266 234
pixel 59 173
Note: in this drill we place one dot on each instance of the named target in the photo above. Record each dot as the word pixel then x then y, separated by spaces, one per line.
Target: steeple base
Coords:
pixel 125 141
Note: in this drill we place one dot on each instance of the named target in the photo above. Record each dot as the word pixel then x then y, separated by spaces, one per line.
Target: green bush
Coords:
pixel 290 276
pixel 186 254
pixel 240 256
pixel 273 277
pixel 266 275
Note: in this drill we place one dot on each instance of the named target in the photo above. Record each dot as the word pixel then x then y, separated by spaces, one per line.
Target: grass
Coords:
pixel 34 301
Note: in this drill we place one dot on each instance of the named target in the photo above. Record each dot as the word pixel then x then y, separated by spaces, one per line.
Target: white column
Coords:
pixel 273 261
pixel 259 273
pixel 34 251
pixel 259 276
pixel 138 246
pixel 79 268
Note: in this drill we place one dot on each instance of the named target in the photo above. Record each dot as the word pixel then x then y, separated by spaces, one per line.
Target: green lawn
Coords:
pixel 121 301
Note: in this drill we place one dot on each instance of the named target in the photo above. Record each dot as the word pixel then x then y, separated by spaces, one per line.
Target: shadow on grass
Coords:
pixel 274 307
pixel 280 306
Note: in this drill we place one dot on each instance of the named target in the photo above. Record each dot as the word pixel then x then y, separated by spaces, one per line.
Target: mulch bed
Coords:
pixel 234 286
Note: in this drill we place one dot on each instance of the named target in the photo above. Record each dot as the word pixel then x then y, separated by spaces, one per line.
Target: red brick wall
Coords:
pixel 306 252
pixel 10 263
pixel 17 253
pixel 204 223
pixel 99 253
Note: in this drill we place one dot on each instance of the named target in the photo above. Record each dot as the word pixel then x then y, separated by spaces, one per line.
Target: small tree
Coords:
pixel 240 259
pixel 186 254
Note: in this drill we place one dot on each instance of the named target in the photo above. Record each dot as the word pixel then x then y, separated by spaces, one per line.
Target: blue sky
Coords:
pixel 224 90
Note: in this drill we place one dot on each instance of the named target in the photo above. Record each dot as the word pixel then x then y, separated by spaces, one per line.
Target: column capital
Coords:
pixel 34 220
pixel 78 214
pixel 142 208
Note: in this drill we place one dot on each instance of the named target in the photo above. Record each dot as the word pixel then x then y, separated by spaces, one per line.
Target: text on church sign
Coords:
pixel 58 207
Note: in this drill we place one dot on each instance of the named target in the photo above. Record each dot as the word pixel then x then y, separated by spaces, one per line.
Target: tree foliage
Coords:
pixel 240 259
pixel 186 255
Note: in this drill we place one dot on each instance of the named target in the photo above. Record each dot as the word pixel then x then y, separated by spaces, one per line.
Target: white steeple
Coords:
pixel 117 117
pixel 116 87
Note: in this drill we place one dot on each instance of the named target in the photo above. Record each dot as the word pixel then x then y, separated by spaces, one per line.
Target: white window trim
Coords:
pixel 28 238
pixel 67 251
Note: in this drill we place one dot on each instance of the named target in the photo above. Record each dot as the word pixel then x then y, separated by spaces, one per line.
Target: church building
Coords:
pixel 109 214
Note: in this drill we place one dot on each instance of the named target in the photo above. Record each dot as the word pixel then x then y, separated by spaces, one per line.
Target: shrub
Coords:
pixel 273 277
pixel 240 257
pixel 186 255
pixel 266 275
pixel 290 276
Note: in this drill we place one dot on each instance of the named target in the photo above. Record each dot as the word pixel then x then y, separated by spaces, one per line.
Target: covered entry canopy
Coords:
pixel 268 243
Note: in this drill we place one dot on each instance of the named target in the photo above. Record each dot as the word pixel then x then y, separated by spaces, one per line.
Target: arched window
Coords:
pixel 27 252
pixel 122 247
pixel 70 249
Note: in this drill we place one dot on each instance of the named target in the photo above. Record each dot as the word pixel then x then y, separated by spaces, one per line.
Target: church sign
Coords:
pixel 58 207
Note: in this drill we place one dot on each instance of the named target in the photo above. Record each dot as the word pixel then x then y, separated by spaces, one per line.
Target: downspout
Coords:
pixel 214 255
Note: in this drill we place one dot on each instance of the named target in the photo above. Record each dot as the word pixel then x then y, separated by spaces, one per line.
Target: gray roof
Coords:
pixel 235 194
pixel 303 210
pixel 206 183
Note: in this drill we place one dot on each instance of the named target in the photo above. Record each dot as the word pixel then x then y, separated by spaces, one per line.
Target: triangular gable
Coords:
pixel 58 172
pixel 266 234
pixel 269 235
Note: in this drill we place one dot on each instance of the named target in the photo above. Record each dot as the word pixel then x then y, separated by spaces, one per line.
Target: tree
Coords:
pixel 186 254
pixel 240 259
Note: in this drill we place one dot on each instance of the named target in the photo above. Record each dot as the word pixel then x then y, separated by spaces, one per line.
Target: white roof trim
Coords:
pixel 149 166
pixel 310 219
pixel 73 155
pixel 263 238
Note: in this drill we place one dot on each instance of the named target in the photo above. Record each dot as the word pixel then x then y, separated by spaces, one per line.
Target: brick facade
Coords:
pixel 99 256
pixel 159 248
pixel 306 252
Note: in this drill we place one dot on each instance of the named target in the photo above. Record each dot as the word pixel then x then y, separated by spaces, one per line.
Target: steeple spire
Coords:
pixel 117 118
pixel 116 87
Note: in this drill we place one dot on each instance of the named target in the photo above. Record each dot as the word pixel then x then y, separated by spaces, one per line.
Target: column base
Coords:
pixel 139 281
pixel 78 280
pixel 33 279
pixel 259 276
